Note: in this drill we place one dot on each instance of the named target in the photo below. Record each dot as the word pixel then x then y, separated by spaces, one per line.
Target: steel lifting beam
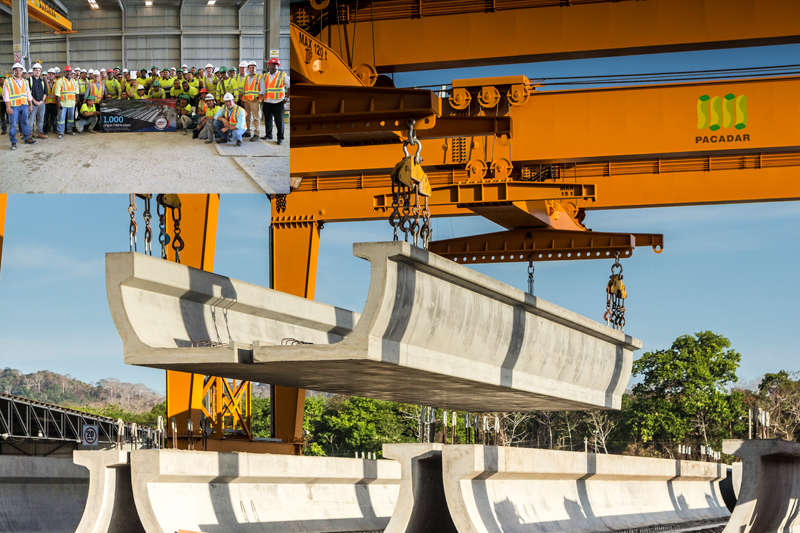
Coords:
pixel 523 245
pixel 467 34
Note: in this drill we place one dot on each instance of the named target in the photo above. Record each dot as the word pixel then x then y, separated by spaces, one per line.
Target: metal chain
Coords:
pixel 405 216
pixel 163 237
pixel 615 298
pixel 177 241
pixel 148 231
pixel 132 229
pixel 280 203
pixel 530 277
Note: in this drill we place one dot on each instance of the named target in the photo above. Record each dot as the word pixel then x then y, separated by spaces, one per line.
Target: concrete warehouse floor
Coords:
pixel 168 162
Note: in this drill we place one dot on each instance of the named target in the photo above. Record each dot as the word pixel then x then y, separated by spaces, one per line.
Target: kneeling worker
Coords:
pixel 184 109
pixel 207 110
pixel 88 115
pixel 230 121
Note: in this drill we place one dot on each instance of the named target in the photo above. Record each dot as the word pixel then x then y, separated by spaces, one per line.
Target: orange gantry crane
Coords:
pixel 535 162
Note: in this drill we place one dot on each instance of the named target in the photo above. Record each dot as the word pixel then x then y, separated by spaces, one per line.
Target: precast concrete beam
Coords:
pixel 243 493
pixel 41 494
pixel 768 499
pixel 433 332
pixel 493 489
pixel 110 507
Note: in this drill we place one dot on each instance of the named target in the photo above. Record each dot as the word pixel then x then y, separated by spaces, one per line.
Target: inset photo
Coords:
pixel 109 97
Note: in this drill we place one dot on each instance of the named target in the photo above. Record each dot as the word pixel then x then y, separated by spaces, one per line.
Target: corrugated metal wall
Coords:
pixel 152 37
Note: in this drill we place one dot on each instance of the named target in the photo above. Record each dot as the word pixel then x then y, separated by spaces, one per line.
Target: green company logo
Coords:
pixel 715 112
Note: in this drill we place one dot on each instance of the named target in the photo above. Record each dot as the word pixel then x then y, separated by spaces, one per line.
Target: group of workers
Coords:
pixel 219 103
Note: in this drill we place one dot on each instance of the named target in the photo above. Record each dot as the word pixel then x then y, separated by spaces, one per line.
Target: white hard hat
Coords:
pixel 51 71
pixel 37 65
pixel 216 70
pixel 228 96
pixel 124 70
pixel 209 66
pixel 209 96
pixel 140 87
pixel 57 70
pixel 243 64
pixel 17 65
pixel 184 66
pixel 102 70
pixel 252 63
pixel 30 71
pixel 83 70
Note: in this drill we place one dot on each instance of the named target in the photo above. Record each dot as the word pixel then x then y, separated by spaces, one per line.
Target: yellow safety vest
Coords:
pixel 51 92
pixel 18 94
pixel 68 89
pixel 251 86
pixel 96 90
pixel 275 87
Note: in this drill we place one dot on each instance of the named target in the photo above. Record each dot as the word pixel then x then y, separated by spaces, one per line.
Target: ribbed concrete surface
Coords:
pixel 433 332
pixel 490 489
pixel 769 497
pixel 41 494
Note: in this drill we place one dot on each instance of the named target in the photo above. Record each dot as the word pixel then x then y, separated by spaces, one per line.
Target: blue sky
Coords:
pixel 729 269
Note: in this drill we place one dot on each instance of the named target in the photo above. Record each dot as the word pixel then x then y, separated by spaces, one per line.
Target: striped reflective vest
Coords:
pixel 18 92
pixel 252 85
pixel 51 92
pixel 68 89
pixel 275 87
pixel 96 90
pixel 231 114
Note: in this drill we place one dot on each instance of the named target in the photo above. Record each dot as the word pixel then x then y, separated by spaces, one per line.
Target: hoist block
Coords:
pixel 433 332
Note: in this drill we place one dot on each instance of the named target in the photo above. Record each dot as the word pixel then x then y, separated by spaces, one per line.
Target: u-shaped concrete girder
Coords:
pixel 217 492
pixel 110 507
pixel 768 499
pixel 490 489
pixel 433 332
pixel 41 494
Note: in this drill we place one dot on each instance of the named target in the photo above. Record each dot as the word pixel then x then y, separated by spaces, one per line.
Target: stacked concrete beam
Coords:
pixel 768 499
pixel 433 332
pixel 484 489
pixel 41 494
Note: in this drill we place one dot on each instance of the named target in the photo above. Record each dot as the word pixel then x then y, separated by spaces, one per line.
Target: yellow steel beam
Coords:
pixel 411 35
pixel 45 14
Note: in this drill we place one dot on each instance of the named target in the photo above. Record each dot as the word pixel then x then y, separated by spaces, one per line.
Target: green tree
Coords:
pixel 684 392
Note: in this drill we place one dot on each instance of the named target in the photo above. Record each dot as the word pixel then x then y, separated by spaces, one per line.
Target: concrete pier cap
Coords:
pixel 433 332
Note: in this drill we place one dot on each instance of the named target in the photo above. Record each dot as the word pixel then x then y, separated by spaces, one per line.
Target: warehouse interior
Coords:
pixel 136 34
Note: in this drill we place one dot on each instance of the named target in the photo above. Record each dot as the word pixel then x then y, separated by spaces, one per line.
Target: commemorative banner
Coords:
pixel 128 116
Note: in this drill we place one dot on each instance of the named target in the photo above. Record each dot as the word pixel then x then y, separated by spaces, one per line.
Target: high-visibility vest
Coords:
pixel 231 114
pixel 251 86
pixel 51 92
pixel 68 89
pixel 96 90
pixel 275 87
pixel 82 86
pixel 18 93
pixel 112 88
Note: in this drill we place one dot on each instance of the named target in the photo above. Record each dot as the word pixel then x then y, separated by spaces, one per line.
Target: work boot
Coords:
pixel 13 147
pixel 184 131
pixel 254 139
pixel 92 131
pixel 247 135
pixel 209 141
pixel 195 134
pixel 41 135
pixel 221 141
pixel 72 133
pixel 238 143
pixel 30 141
pixel 60 135
pixel 267 137
pixel 280 142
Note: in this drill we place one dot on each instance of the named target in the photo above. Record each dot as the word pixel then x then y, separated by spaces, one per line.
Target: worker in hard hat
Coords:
pixel 209 81
pixel 17 99
pixel 230 121
pixel 277 91
pixel 139 93
pixel 156 92
pixel 66 91
pixel 252 89
pixel 206 110
pixel 89 115
pixel 113 86
pixel 241 74
pixel 3 114
pixel 184 109
pixel 141 78
pixel 51 110
pixel 38 88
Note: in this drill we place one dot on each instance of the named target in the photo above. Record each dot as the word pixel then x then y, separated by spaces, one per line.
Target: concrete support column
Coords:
pixel 272 28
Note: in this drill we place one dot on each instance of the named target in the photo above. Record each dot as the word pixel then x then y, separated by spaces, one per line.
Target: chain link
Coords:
pixel 280 203
pixel 163 237
pixel 407 217
pixel 615 298
pixel 530 277
pixel 132 229
pixel 177 241
pixel 148 231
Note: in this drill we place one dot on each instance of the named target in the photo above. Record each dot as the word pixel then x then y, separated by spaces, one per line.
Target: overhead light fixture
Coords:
pixel 148 2
pixel 93 4
pixel 212 2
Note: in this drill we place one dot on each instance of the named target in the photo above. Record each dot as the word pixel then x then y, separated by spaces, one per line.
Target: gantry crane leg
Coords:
pixel 3 202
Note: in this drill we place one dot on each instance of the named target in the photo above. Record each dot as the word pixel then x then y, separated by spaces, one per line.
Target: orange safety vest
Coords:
pixel 68 89
pixel 18 94
pixel 51 92
pixel 96 90
pixel 251 91
pixel 275 88
pixel 231 117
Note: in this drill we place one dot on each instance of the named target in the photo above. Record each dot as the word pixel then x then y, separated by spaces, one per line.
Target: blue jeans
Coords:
pixel 230 135
pixel 81 123
pixel 37 115
pixel 19 115
pixel 69 114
